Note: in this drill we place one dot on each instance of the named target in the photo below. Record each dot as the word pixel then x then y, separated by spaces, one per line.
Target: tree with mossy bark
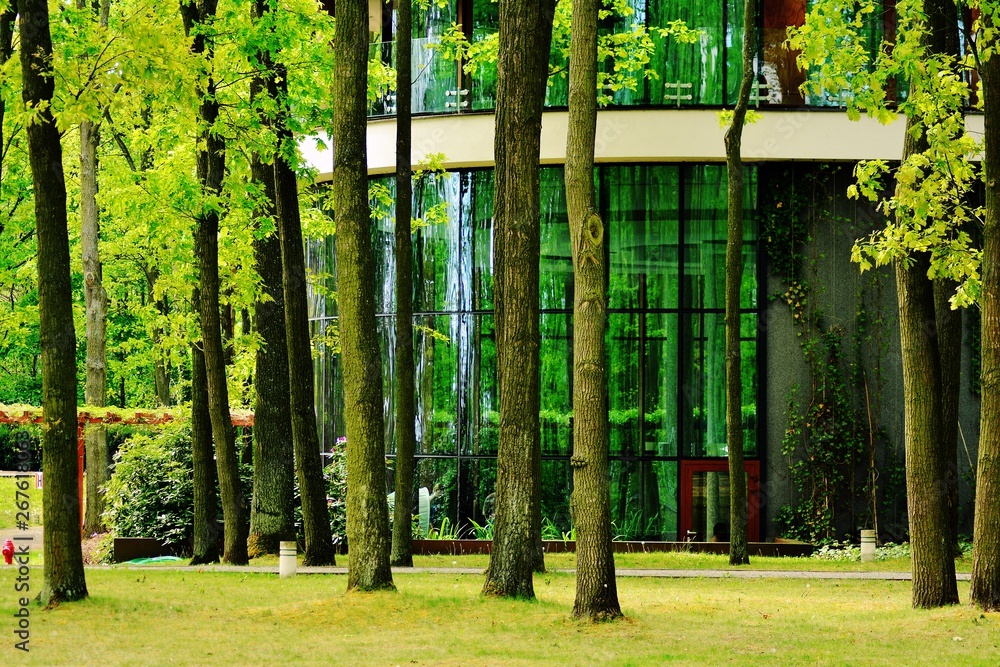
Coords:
pixel 923 238
pixel 63 577
pixel 198 18
pixel 590 504
pixel 405 399
pixel 738 554
pixel 367 508
pixel 984 588
pixel 522 72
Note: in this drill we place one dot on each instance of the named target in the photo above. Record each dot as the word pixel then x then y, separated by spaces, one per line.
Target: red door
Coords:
pixel 704 511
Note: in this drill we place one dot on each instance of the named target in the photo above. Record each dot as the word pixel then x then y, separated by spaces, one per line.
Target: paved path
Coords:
pixel 621 572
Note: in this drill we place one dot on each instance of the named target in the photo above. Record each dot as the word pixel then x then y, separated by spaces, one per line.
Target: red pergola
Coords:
pixel 33 415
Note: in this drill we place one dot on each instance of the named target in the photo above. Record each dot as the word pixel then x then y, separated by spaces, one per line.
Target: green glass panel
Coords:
pixel 697 67
pixel 556 265
pixel 705 226
pixel 483 402
pixel 478 491
pixel 641 218
pixel 644 500
pixel 660 369
pixel 556 357
pixel 437 383
pixel 557 484
pixel 440 478
pixel 437 251
pixel 703 382
pixel 710 506
pixel 482 224
pixel 623 383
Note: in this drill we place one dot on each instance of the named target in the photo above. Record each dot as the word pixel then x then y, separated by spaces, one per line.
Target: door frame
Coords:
pixel 686 513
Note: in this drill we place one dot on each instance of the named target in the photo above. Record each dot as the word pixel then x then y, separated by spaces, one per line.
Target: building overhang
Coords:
pixel 641 135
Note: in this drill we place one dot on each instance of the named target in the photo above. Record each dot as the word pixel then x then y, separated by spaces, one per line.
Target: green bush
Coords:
pixel 151 493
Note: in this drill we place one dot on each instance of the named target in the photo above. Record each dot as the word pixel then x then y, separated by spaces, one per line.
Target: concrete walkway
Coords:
pixel 621 572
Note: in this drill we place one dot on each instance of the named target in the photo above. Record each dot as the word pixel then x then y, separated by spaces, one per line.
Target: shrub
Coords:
pixel 151 493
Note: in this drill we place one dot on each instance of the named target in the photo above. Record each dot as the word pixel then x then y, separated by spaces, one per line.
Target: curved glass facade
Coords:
pixel 705 73
pixel 666 228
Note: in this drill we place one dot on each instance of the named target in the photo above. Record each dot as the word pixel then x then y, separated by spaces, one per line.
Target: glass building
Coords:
pixel 661 183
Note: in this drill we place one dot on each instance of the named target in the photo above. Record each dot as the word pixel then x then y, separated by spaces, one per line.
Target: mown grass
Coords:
pixel 155 617
pixel 9 498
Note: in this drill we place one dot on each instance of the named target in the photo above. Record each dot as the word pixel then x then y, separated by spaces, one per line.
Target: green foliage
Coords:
pixel 151 493
pixel 928 210
pixel 335 474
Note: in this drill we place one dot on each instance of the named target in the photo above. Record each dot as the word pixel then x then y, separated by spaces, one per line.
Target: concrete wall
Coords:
pixel 837 288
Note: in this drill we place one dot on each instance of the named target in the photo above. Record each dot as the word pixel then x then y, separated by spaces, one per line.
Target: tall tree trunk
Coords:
pixel 738 554
pixel 367 509
pixel 522 72
pixel 206 526
pixel 7 18
pixel 161 362
pixel 63 577
pixel 211 167
pixel 309 466
pixel 590 504
pixel 926 482
pixel 96 322
pixel 406 437
pixel 985 587
pixel 949 335
pixel 271 512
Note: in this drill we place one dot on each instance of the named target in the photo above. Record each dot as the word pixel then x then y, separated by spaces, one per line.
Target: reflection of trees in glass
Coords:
pixel 664 338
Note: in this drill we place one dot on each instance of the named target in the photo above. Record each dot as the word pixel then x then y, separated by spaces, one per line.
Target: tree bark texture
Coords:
pixel 522 72
pixel 367 509
pixel 63 578
pixel 7 19
pixel 985 587
pixel 406 435
pixel 271 511
pixel 926 480
pixel 590 504
pixel 738 554
pixel 272 507
pixel 211 171
pixel 949 335
pixel 96 322
pixel 206 526
pixel 308 463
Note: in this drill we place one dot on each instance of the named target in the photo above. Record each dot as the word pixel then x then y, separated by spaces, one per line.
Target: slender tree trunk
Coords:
pixel 211 167
pixel 985 587
pixel 406 437
pixel 63 575
pixel 367 509
pixel 161 363
pixel 738 554
pixel 206 526
pixel 949 335
pixel 309 466
pixel 590 504
pixel 7 18
pixel 522 72
pixel 271 512
pixel 96 307
pixel 926 481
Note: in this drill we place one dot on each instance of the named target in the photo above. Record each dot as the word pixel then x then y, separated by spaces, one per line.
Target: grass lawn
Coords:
pixel 8 496
pixel 156 617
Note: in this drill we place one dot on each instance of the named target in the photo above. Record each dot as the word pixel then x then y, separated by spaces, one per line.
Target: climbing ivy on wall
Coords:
pixel 835 448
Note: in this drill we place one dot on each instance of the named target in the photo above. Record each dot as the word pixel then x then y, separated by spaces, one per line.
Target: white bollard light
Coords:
pixel 286 559
pixel 867 546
